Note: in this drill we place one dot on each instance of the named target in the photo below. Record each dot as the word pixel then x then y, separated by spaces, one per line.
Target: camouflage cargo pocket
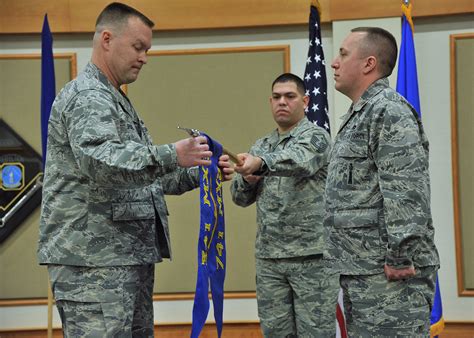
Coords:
pixel 92 311
pixel 82 293
pixel 134 225
pixel 360 232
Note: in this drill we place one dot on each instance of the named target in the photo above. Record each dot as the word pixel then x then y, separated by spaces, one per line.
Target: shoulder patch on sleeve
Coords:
pixel 319 142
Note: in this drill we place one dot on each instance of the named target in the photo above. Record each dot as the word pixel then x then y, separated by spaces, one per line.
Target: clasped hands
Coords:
pixel 194 151
pixel 397 274
pixel 249 165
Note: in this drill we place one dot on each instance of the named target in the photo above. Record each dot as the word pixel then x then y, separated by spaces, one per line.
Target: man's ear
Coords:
pixel 370 64
pixel 305 101
pixel 105 39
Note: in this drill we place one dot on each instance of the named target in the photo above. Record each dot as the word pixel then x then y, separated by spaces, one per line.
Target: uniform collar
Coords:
pixel 369 93
pixel 274 136
pixel 94 71
pixel 375 88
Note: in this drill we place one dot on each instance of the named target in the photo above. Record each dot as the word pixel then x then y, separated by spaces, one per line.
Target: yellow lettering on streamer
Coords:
pixel 219 190
pixel 219 263
pixel 205 198
pixel 220 248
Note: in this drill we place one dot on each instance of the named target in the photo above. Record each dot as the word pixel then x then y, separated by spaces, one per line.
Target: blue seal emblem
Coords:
pixel 12 176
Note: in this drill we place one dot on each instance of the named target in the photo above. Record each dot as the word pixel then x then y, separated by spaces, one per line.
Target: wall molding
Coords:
pixel 461 257
pixel 231 329
pixel 156 298
pixel 71 56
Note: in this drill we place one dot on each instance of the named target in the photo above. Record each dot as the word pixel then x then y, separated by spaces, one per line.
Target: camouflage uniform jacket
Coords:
pixel 103 202
pixel 378 188
pixel 290 195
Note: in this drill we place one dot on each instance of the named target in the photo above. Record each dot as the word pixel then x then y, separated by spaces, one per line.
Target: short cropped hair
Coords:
pixel 381 43
pixel 289 77
pixel 117 14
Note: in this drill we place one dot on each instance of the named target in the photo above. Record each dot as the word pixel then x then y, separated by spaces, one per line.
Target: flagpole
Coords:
pixel 50 311
pixel 48 92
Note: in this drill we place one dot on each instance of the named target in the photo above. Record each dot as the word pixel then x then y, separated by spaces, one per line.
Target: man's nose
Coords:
pixel 143 58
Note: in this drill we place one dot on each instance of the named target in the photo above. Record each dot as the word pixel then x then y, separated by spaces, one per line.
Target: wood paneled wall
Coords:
pixel 74 16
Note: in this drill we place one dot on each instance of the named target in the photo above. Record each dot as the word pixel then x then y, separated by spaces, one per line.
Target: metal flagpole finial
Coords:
pixel 190 131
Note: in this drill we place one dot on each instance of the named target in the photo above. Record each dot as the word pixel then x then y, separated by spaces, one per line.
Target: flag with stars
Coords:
pixel 317 111
pixel 315 73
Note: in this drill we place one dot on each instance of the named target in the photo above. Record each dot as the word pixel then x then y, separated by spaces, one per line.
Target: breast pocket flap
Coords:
pixel 353 151
pixel 129 211
pixel 356 218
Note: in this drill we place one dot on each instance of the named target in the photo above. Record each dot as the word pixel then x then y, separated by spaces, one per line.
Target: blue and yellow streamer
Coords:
pixel 211 245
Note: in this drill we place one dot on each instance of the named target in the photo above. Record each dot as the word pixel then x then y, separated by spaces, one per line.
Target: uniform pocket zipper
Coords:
pixel 349 179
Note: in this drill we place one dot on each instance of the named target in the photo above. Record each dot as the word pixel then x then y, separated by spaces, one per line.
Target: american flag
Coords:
pixel 315 74
pixel 317 110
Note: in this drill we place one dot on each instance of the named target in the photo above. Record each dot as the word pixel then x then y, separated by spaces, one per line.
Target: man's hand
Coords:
pixel 252 179
pixel 397 274
pixel 226 166
pixel 250 164
pixel 193 151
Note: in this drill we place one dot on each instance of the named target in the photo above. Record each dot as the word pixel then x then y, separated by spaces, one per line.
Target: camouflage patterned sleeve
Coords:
pixel 180 181
pixel 243 193
pixel 95 131
pixel 402 163
pixel 304 157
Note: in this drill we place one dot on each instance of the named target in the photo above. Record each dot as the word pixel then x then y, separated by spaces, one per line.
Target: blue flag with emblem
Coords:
pixel 211 245
pixel 407 79
pixel 48 85
pixel 407 85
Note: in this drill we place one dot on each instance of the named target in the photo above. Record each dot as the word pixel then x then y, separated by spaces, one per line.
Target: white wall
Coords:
pixel 432 48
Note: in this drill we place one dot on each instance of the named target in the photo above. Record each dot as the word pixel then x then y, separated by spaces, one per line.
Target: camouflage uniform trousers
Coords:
pixel 104 301
pixel 376 307
pixel 296 297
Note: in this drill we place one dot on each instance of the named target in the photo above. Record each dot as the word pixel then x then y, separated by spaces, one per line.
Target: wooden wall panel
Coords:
pixel 74 16
pixel 366 9
pixel 27 16
pixel 442 7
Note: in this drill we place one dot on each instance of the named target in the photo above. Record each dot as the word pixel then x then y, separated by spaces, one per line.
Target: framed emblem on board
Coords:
pixel 21 176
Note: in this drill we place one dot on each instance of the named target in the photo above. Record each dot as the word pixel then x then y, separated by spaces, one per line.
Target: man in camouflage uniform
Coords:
pixel 378 197
pixel 285 173
pixel 104 218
